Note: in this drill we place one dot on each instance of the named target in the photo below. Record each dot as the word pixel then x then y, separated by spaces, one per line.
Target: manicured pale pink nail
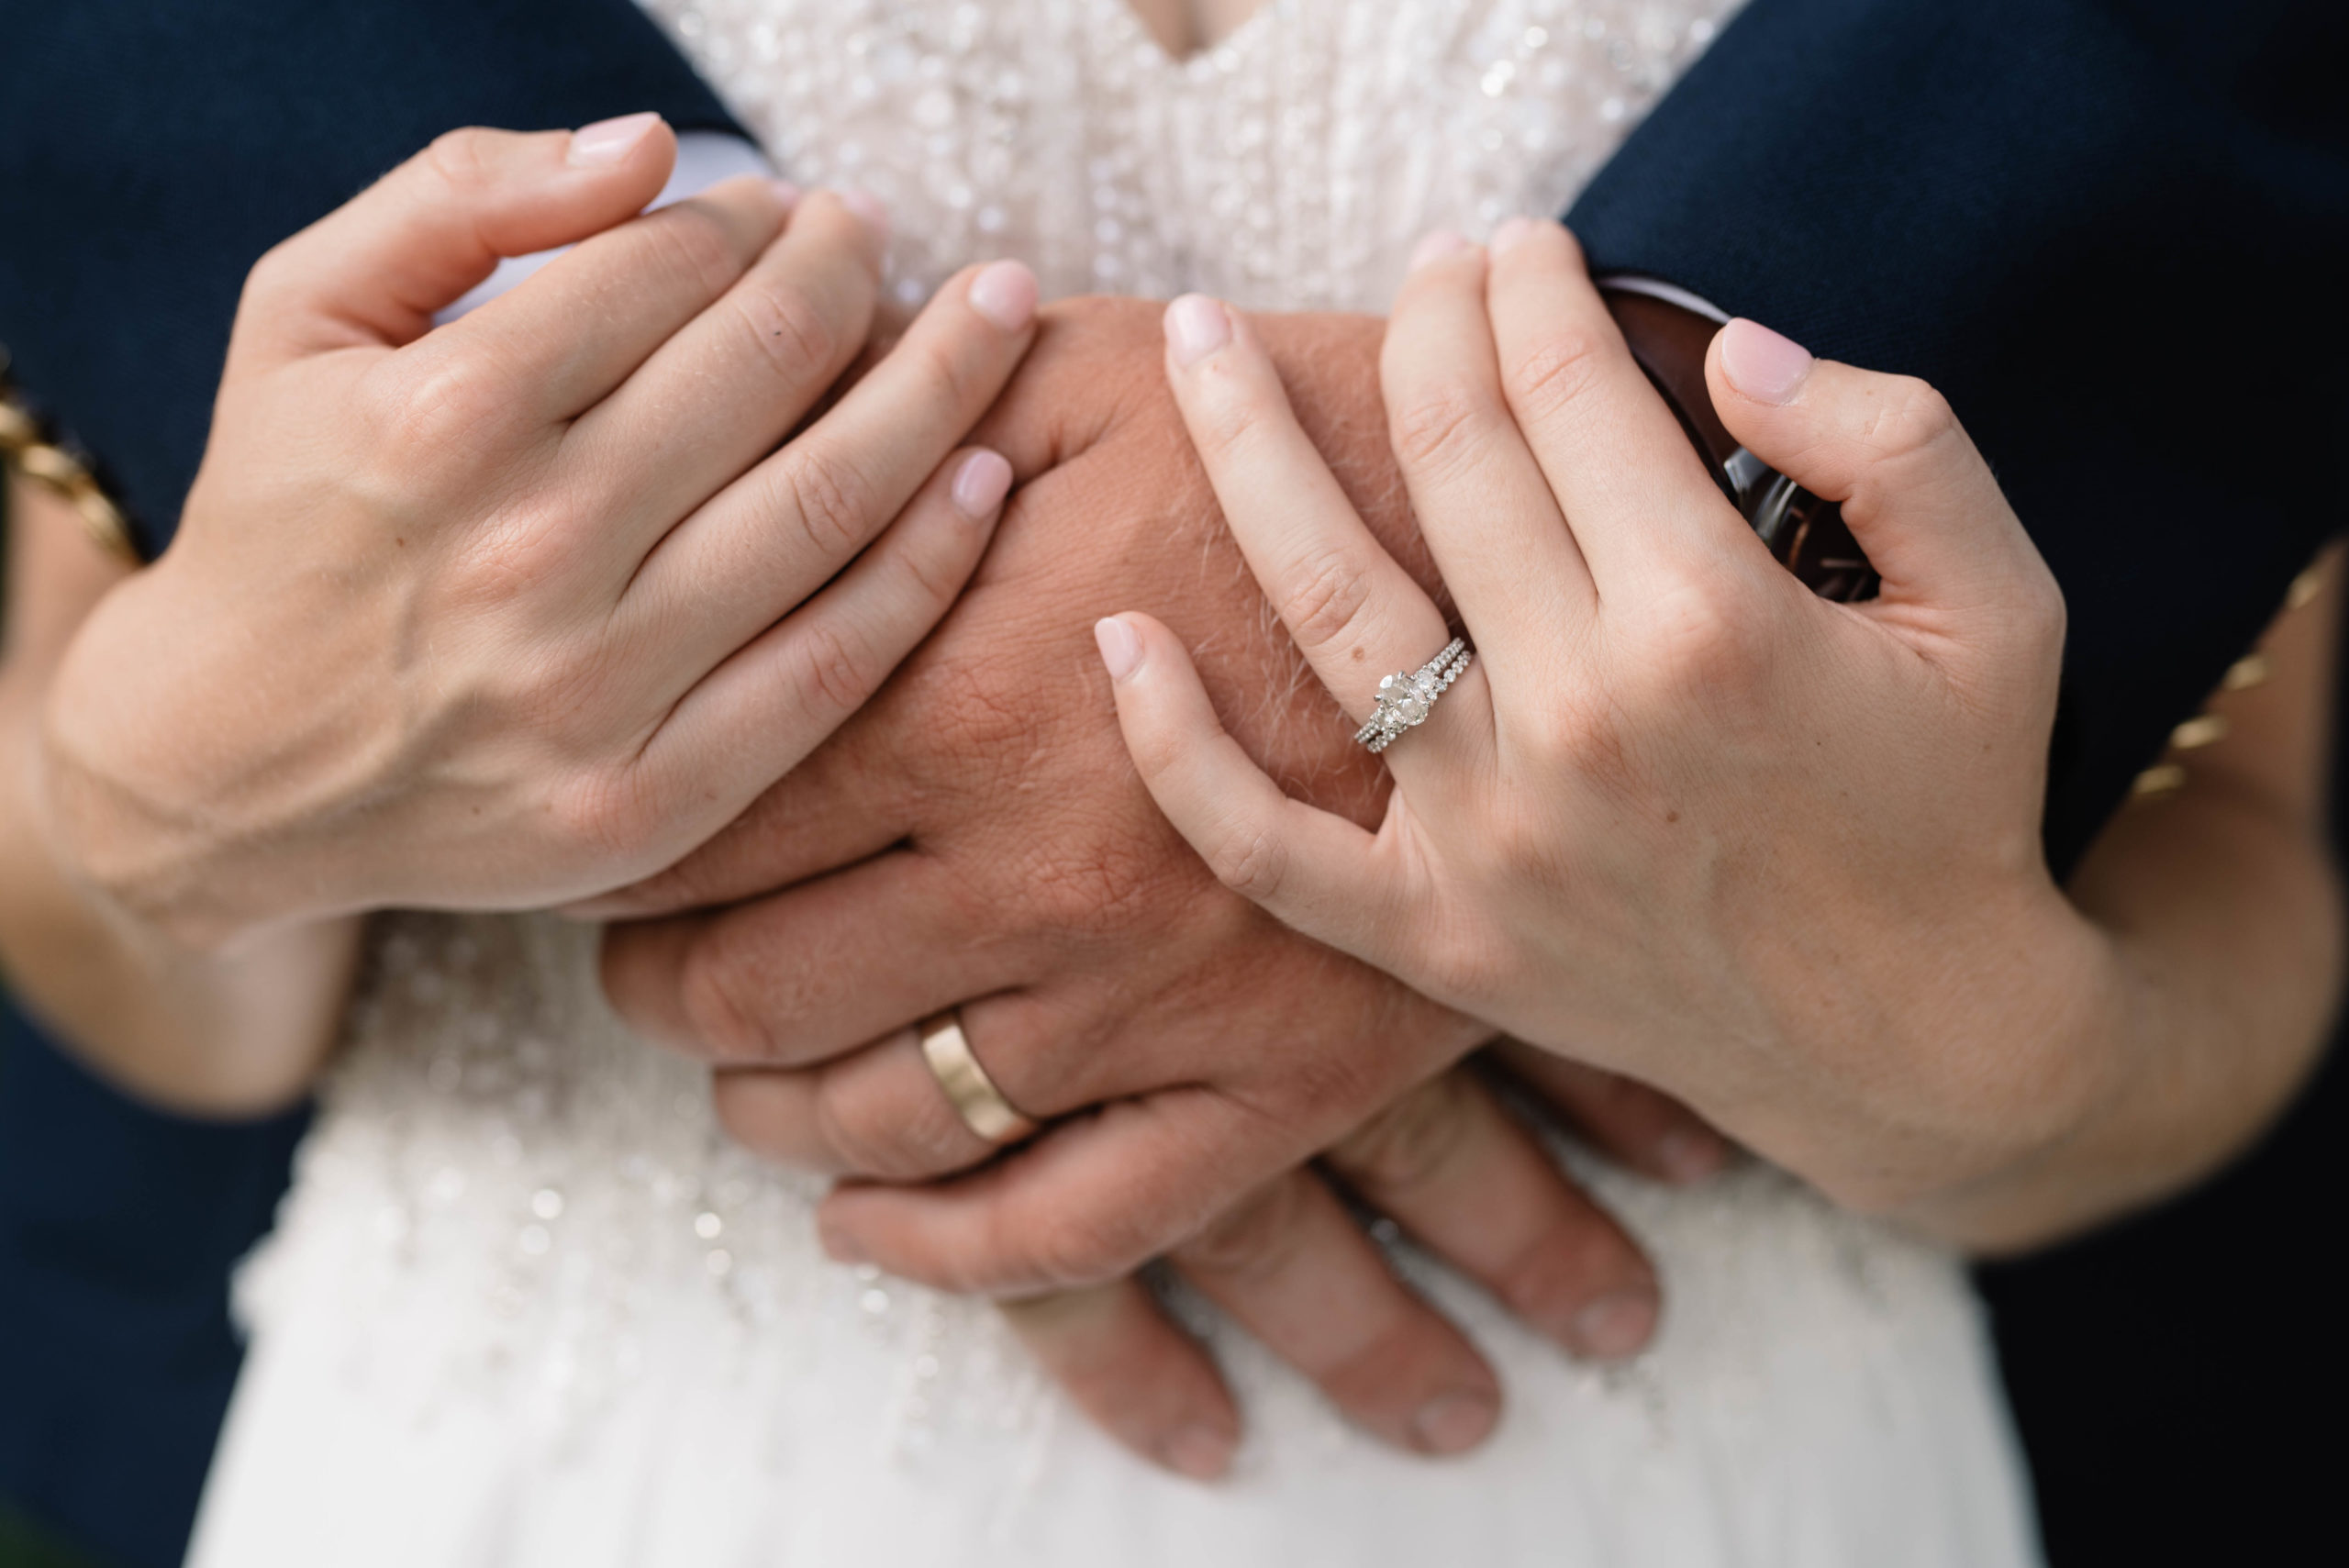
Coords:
pixel 1120 648
pixel 1763 364
pixel 786 193
pixel 607 141
pixel 1200 1452
pixel 1512 233
pixel 870 210
pixel 981 483
pixel 1196 328
pixel 1004 294
pixel 1436 247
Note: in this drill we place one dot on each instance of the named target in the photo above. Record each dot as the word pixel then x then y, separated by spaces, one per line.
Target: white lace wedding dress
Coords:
pixel 524 1304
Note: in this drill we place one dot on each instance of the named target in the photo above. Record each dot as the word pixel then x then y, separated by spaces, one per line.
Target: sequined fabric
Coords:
pixel 526 1306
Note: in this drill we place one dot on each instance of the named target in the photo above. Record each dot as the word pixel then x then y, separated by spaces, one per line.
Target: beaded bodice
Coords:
pixel 509 1203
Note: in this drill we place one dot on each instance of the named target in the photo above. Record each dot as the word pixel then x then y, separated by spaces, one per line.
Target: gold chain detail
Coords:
pixel 2167 777
pixel 23 448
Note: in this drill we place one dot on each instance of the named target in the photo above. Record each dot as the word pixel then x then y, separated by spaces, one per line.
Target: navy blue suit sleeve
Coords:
pixel 2108 231
pixel 151 150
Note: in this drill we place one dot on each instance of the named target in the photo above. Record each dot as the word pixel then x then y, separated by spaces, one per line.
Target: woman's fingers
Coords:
pixel 753 717
pixel 748 368
pixel 1507 556
pixel 1918 495
pixel 1641 507
pixel 1291 1267
pixel 1447 1163
pixel 1139 1378
pixel 1647 1131
pixel 1312 870
pixel 775 535
pixel 376 270
pixel 580 325
pixel 1355 613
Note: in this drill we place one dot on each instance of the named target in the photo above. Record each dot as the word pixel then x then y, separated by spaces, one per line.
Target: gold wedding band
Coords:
pixel 968 1088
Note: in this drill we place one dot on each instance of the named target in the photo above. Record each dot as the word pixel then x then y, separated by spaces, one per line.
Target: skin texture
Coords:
pixel 528 607
pixel 982 807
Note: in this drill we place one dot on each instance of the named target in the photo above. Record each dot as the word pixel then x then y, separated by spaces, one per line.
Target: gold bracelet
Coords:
pixel 26 448
pixel 2168 777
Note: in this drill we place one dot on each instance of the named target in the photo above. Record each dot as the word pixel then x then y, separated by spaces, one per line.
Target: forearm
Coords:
pixel 227 1032
pixel 2220 1004
pixel 2219 911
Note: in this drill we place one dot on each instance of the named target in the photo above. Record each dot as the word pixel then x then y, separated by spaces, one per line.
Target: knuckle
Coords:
pixel 1249 860
pixel 1411 1143
pixel 1435 428
pixel 459 160
pixel 830 500
pixel 1557 372
pixel 859 1146
pixel 691 242
pixel 608 812
pixel 1327 598
pixel 1254 1241
pixel 833 667
pixel 1075 1249
pixel 446 406
pixel 717 995
pixel 789 329
pixel 1913 418
pixel 1704 637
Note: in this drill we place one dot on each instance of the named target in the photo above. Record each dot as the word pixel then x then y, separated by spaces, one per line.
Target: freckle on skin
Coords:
pixel 1358 653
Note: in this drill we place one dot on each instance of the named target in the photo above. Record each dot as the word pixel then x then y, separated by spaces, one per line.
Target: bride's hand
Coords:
pixel 523 607
pixel 1777 856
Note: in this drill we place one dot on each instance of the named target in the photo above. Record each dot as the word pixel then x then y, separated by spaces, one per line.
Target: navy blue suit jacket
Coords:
pixel 2106 228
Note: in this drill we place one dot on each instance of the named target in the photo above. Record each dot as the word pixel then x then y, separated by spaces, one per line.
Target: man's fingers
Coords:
pixel 1644 1128
pixel 1094 1198
pixel 1139 1378
pixel 1450 1165
pixel 375 271
pixel 1918 498
pixel 1293 1269
pixel 1316 871
pixel 807 975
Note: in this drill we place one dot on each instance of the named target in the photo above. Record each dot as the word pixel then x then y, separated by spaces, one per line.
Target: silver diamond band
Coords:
pixel 1407 697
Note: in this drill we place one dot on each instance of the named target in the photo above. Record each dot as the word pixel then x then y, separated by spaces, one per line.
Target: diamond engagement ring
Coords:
pixel 1406 699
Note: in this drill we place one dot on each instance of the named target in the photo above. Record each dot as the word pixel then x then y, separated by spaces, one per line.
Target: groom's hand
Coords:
pixel 977 838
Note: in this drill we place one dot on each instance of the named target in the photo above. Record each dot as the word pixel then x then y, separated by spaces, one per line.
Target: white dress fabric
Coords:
pixel 527 1307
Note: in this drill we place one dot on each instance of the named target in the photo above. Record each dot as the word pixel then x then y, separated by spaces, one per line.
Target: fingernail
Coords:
pixel 1120 647
pixel 981 483
pixel 1196 328
pixel 1617 1324
pixel 1005 294
pixel 1763 364
pixel 1451 1423
pixel 1690 1156
pixel 608 142
pixel 870 210
pixel 1200 1452
pixel 1436 247
pixel 786 193
pixel 839 1245
pixel 1512 233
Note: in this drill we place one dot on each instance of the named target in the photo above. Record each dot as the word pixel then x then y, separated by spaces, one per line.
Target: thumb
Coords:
pixel 375 270
pixel 1918 498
